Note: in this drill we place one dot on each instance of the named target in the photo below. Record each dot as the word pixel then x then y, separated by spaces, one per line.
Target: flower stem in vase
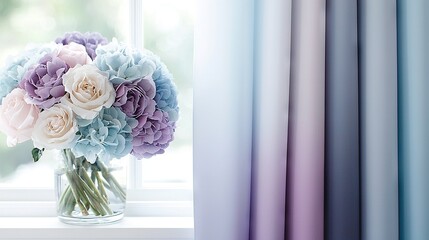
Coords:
pixel 76 194
pixel 100 185
pixel 115 187
pixel 87 188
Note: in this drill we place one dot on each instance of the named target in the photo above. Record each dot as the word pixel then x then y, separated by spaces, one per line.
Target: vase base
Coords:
pixel 92 220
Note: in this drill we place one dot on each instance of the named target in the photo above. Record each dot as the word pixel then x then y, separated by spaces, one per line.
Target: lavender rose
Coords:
pixel 152 136
pixel 89 40
pixel 135 98
pixel 44 82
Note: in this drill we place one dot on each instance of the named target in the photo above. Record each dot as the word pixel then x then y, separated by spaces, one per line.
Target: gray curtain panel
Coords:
pixel 342 201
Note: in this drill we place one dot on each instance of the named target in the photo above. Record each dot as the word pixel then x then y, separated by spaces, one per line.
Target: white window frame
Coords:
pixel 155 193
pixel 168 205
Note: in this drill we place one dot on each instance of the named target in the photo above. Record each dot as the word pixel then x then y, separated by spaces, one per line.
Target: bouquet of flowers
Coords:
pixel 94 101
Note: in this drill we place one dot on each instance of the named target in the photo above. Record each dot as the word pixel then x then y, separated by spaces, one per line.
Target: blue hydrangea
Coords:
pixel 14 71
pixel 122 63
pixel 7 84
pixel 107 136
pixel 166 91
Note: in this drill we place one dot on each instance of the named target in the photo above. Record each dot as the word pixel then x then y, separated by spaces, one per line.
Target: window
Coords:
pixel 168 31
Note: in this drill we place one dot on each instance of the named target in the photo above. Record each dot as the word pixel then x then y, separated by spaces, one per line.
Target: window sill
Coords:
pixel 129 228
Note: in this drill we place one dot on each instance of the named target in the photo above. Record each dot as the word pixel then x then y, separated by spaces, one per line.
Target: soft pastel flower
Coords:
pixel 107 136
pixel 55 128
pixel 135 98
pixel 88 91
pixel 102 100
pixel 74 54
pixel 122 63
pixel 17 117
pixel 14 71
pixel 153 136
pixel 44 82
pixel 166 91
pixel 7 84
pixel 89 40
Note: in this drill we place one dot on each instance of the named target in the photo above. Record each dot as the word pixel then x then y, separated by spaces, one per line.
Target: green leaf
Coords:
pixel 37 154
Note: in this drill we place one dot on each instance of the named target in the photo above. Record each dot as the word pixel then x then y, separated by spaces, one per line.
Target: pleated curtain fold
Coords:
pixel 270 119
pixel 378 119
pixel 305 162
pixel 342 171
pixel 223 91
pixel 413 86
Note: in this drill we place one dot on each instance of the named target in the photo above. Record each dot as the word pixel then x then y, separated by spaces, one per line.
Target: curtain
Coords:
pixel 342 215
pixel 305 158
pixel 272 78
pixel 311 120
pixel 413 80
pixel 223 93
pixel 379 129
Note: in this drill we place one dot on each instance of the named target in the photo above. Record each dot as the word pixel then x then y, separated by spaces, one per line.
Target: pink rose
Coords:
pixel 17 117
pixel 74 54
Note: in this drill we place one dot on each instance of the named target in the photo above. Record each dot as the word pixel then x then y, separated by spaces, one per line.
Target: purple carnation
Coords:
pixel 89 40
pixel 135 98
pixel 44 82
pixel 153 136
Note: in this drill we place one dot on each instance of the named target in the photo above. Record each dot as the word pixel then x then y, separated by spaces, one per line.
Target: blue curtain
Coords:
pixel 413 80
pixel 378 119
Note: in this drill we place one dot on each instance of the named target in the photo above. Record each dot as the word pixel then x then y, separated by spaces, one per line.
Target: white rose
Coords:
pixel 88 91
pixel 56 128
pixel 74 54
pixel 17 117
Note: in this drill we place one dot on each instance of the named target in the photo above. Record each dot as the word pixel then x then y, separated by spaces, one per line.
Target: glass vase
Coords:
pixel 90 193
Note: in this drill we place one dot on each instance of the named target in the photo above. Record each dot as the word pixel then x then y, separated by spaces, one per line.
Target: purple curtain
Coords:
pixel 305 163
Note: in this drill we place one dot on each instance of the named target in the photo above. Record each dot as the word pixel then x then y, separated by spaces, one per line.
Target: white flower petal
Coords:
pixel 88 91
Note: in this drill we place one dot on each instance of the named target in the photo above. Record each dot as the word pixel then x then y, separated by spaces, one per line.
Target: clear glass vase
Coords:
pixel 90 193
